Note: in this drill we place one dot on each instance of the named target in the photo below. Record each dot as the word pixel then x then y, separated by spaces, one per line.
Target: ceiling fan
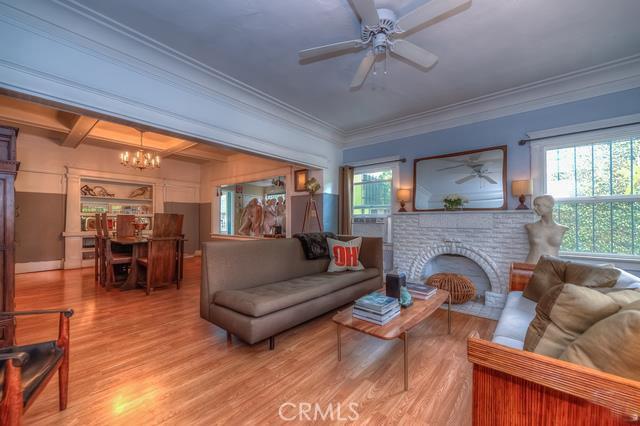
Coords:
pixel 480 172
pixel 382 31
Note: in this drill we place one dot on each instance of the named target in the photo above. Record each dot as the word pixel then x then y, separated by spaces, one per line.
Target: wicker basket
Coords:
pixel 460 287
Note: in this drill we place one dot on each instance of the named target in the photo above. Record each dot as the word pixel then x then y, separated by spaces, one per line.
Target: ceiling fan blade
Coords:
pixel 488 179
pixel 367 11
pixel 451 167
pixel 363 70
pixel 465 179
pixel 430 13
pixel 413 53
pixel 329 48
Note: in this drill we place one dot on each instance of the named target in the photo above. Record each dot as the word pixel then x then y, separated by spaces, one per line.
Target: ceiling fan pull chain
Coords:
pixel 386 60
pixel 375 71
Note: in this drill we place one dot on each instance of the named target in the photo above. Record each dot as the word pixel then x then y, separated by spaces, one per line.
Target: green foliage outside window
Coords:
pixel 372 193
pixel 597 188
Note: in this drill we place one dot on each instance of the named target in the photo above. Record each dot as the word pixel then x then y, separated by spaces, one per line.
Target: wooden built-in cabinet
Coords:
pixel 8 171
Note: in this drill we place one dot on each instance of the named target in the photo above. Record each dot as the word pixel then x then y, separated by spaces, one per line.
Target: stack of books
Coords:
pixel 421 291
pixel 376 308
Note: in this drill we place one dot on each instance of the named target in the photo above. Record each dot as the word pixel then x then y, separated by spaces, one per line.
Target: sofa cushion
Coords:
pixel 611 345
pixel 345 255
pixel 516 316
pixel 268 298
pixel 564 313
pixel 552 271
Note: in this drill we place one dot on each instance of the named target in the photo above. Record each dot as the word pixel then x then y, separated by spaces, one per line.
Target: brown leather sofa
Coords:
pixel 257 289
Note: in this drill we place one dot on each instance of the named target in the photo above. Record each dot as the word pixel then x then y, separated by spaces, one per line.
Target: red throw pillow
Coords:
pixel 345 255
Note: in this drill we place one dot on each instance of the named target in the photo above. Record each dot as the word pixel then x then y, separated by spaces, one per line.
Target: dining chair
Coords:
pixel 111 259
pixel 124 225
pixel 25 370
pixel 162 264
pixel 167 225
pixel 97 251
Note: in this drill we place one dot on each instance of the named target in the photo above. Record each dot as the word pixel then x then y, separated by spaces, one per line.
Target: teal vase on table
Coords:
pixel 405 297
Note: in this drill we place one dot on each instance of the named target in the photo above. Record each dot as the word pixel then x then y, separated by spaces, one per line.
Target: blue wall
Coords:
pixel 500 131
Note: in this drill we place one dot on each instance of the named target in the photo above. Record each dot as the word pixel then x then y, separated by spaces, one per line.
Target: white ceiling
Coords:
pixel 493 46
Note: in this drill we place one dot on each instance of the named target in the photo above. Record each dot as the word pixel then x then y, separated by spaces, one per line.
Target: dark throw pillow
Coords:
pixel 315 244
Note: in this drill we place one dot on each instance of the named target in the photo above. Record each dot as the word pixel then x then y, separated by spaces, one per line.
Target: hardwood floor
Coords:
pixel 139 359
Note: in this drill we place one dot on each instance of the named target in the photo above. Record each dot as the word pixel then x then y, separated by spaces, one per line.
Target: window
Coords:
pixel 596 185
pixel 372 192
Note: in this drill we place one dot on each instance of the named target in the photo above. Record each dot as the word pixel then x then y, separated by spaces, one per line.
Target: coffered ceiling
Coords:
pixel 493 46
pixel 71 130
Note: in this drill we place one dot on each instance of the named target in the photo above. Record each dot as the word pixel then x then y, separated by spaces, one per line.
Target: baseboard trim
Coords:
pixel 46 265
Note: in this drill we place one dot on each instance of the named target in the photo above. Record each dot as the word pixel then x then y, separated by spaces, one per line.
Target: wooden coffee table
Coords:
pixel 398 327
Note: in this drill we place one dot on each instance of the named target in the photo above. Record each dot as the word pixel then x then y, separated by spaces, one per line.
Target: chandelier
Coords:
pixel 141 159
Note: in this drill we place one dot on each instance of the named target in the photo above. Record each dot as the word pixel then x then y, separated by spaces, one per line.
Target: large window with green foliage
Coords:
pixel 372 192
pixel 597 190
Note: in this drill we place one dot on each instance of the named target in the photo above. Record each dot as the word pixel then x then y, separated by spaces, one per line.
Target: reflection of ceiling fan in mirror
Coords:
pixel 479 172
pixel 478 169
pixel 381 32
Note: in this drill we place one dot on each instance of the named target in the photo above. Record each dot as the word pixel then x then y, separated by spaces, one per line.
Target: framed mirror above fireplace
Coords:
pixel 478 176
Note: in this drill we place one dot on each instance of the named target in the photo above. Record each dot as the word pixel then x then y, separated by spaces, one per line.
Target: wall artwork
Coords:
pixel 300 179
pixel 477 176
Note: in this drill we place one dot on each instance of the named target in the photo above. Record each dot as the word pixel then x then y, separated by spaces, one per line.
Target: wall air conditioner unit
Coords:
pixel 373 227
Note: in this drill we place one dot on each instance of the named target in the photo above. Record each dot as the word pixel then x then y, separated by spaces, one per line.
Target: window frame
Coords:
pixel 395 169
pixel 539 150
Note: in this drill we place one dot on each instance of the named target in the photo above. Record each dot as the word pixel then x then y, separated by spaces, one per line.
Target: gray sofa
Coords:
pixel 520 311
pixel 257 289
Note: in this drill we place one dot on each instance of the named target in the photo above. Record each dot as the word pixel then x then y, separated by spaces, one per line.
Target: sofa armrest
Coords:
pixel 371 254
pixel 617 394
pixel 519 275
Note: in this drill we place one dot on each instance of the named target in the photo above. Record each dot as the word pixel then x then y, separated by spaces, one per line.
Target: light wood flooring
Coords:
pixel 144 360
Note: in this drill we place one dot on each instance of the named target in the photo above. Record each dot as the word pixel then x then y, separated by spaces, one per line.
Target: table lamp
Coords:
pixel 520 189
pixel 403 195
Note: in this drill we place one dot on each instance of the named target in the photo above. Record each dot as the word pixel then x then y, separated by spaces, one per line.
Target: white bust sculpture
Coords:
pixel 545 235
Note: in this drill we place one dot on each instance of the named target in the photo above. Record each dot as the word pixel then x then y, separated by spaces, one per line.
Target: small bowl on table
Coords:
pixel 139 227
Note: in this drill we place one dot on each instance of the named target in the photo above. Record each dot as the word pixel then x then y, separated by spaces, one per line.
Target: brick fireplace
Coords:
pixel 491 240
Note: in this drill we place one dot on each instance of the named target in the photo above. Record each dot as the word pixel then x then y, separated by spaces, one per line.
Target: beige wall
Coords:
pixel 39 225
pixel 41 193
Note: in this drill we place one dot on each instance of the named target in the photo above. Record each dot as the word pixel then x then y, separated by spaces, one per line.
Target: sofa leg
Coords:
pixel 272 343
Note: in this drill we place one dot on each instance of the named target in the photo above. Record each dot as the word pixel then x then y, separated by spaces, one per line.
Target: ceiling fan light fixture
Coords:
pixel 382 31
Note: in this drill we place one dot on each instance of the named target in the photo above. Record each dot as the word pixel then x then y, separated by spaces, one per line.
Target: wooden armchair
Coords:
pixel 515 387
pixel 110 258
pixel 27 369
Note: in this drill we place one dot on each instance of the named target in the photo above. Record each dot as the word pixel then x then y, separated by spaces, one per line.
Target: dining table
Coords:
pixel 138 246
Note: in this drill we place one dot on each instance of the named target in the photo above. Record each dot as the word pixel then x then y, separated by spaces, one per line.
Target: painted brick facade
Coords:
pixel 491 239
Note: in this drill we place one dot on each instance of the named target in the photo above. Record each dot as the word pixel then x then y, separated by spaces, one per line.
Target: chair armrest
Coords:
pixel 616 393
pixel 19 358
pixel 66 312
pixel 519 275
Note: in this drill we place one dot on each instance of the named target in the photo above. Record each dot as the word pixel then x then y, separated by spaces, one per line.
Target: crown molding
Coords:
pixel 95 68
pixel 69 23
pixel 239 94
pixel 599 80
